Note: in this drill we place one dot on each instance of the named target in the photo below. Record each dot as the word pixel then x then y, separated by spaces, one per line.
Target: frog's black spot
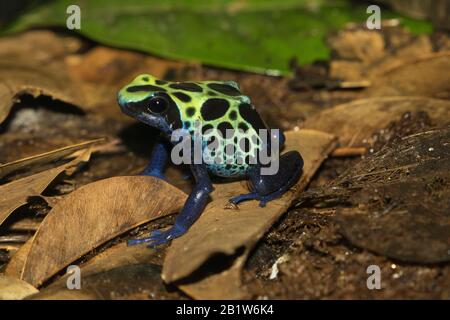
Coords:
pixel 187 124
pixel 145 87
pixel 251 116
pixel 160 82
pixel 243 126
pixel 211 93
pixel 225 89
pixel 233 115
pixel 190 111
pixel 182 96
pixel 223 127
pixel 187 86
pixel 235 140
pixel 244 144
pixel 214 108
pixel 145 79
pixel 212 143
pixel 228 167
pixel 206 128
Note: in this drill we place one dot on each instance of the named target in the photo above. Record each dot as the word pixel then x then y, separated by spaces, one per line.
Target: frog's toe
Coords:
pixel 154 235
pixel 157 241
pixel 133 242
pixel 158 238
pixel 243 197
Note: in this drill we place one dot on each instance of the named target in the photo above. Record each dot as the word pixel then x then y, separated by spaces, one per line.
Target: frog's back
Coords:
pixel 229 123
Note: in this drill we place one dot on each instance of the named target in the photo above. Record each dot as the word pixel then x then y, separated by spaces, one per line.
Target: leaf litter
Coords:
pixel 92 215
pixel 16 193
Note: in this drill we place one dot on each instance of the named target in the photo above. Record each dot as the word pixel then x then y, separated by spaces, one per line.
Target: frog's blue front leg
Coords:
pixel 194 206
pixel 158 160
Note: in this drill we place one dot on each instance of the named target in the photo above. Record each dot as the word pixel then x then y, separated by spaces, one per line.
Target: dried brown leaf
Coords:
pixel 15 289
pixel 16 193
pixel 358 120
pixel 23 77
pixel 428 77
pixel 224 231
pixel 41 73
pixel 94 214
pixel 45 157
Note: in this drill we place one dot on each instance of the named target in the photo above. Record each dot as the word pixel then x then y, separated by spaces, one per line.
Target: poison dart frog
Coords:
pixel 214 109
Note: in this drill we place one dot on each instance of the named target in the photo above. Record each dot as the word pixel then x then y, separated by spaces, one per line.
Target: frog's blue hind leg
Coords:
pixel 268 187
pixel 192 209
pixel 158 160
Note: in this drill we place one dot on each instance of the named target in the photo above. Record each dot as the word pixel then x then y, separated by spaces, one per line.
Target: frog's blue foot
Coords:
pixel 263 200
pixel 269 187
pixel 194 206
pixel 159 237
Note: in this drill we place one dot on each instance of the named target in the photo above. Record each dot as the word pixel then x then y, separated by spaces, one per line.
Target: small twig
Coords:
pixel 11 247
pixel 26 224
pixel 349 152
pixel 15 238
pixel 354 84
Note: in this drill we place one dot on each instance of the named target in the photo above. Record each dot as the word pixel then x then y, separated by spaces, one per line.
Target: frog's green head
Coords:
pixel 146 99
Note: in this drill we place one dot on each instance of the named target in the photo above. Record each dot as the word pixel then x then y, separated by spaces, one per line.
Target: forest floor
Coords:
pixel 381 198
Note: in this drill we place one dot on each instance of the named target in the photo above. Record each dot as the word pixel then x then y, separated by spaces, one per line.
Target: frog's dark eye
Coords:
pixel 158 105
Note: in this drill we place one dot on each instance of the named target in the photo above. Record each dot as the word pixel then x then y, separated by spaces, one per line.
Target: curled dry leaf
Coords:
pixel 15 289
pixel 16 193
pixel 92 215
pixel 26 78
pixel 225 231
pixel 358 120
pixel 40 73
pixel 428 77
pixel 364 55
pixel 45 157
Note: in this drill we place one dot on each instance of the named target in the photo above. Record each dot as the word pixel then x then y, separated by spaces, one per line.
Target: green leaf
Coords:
pixel 252 35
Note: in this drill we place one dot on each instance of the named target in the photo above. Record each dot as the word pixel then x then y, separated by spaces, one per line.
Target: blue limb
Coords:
pixel 194 206
pixel 158 160
pixel 268 187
